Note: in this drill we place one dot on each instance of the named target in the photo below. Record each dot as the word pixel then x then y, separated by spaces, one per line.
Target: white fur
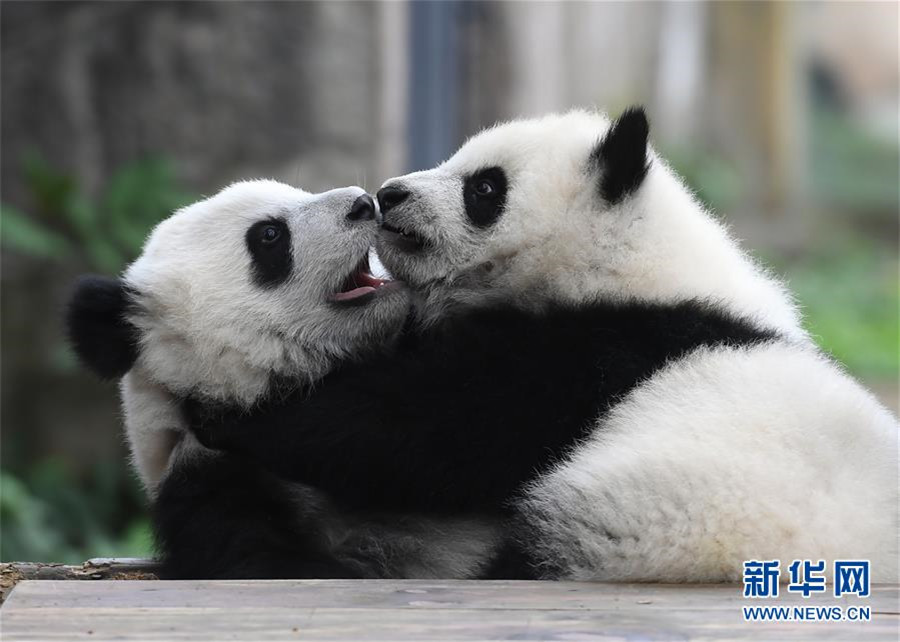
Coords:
pixel 768 452
pixel 556 240
pixel 153 426
pixel 724 456
pixel 207 329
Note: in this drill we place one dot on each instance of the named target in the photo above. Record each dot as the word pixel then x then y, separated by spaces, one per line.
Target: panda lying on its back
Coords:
pixel 260 285
pixel 596 356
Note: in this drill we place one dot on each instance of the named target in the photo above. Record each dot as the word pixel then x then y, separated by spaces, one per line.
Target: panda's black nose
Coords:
pixel 363 209
pixel 390 197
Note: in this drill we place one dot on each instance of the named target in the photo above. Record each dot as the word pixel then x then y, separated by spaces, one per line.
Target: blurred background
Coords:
pixel 782 116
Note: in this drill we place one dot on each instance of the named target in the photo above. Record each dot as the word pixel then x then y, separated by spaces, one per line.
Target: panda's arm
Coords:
pixel 475 410
pixel 461 421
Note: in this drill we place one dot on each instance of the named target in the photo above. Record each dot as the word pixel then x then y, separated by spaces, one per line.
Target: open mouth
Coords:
pixel 360 285
pixel 403 239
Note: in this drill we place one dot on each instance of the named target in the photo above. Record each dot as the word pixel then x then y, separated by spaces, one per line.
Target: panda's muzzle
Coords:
pixel 404 240
pixel 359 286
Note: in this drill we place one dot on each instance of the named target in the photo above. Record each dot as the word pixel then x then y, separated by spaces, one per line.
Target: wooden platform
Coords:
pixel 413 610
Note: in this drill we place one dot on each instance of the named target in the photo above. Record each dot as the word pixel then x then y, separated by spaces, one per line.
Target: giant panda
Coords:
pixel 260 288
pixel 596 359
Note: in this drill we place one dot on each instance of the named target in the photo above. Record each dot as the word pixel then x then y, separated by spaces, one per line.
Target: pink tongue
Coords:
pixel 352 294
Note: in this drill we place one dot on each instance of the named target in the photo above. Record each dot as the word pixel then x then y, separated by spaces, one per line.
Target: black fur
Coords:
pixel 269 243
pixel 96 325
pixel 621 157
pixel 484 194
pixel 219 518
pixel 511 562
pixel 460 416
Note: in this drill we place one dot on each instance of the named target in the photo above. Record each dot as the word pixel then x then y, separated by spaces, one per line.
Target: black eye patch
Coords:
pixel 484 194
pixel 269 243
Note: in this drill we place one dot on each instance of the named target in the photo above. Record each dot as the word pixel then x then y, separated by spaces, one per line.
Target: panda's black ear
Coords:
pixel 98 328
pixel 621 157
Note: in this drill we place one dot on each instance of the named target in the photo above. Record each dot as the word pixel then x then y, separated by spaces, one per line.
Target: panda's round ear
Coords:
pixel 98 328
pixel 620 158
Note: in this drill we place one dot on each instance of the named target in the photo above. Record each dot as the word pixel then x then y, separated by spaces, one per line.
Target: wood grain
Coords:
pixel 413 610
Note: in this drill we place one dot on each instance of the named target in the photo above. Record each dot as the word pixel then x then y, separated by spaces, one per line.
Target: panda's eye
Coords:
pixel 484 195
pixel 484 187
pixel 270 234
pixel 269 244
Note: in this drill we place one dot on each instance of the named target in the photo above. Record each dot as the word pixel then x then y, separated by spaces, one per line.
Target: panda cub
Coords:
pixel 595 358
pixel 260 288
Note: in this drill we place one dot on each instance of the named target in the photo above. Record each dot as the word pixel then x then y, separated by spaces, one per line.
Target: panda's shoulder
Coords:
pixel 628 321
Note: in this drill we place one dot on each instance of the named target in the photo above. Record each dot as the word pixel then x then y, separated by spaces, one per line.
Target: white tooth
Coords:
pixel 378 270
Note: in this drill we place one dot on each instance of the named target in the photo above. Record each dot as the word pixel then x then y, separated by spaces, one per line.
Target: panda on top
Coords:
pixel 596 361
pixel 261 286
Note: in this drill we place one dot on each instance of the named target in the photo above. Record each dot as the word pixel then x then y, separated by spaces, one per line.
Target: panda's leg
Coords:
pixel 216 517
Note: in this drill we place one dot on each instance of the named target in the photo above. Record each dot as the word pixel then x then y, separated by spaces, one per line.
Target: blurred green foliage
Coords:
pixel 49 511
pixel 853 169
pixel 713 180
pixel 103 233
pixel 850 296
pixel 49 516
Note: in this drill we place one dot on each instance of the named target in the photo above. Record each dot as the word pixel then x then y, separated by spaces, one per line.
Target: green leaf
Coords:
pixel 21 233
pixel 51 189
pixel 138 196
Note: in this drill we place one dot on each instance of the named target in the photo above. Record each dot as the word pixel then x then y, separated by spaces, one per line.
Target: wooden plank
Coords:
pixel 412 610
pixel 380 624
pixel 393 594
